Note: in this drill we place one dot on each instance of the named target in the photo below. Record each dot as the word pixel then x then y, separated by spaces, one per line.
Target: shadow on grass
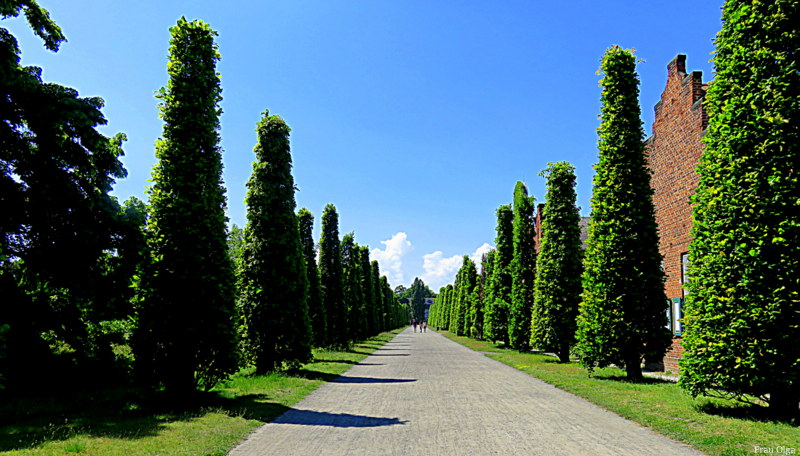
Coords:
pixel 140 415
pixel 342 361
pixel 552 360
pixel 624 379
pixel 750 412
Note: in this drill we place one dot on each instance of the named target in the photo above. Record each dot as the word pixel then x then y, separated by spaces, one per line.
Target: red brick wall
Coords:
pixel 674 353
pixel 673 152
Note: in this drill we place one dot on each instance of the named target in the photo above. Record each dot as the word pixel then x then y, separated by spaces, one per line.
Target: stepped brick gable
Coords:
pixel 673 152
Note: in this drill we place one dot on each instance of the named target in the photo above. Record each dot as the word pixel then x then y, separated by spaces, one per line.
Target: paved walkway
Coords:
pixel 424 394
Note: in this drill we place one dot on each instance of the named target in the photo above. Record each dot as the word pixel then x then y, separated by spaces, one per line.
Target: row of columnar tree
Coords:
pixel 92 287
pixel 741 315
pixel 606 304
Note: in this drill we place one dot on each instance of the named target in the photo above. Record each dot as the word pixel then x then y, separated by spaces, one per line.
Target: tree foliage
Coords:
pixel 316 311
pixel 366 287
pixel 557 290
pixel 59 225
pixel 186 336
pixel 466 280
pixel 380 310
pixel 416 295
pixel 623 313
pixel 523 270
pixel 742 315
pixel 330 269
pixel 274 278
pixel 498 296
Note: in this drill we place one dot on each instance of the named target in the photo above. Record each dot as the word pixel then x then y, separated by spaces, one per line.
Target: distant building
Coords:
pixel 428 304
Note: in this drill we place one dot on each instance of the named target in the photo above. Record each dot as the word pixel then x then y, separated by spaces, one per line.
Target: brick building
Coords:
pixel 673 152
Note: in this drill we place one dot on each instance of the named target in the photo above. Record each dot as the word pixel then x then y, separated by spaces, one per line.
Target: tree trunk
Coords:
pixel 784 403
pixel 563 354
pixel 633 369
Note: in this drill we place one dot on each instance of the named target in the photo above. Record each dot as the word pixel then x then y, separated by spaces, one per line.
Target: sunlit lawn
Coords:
pixel 126 422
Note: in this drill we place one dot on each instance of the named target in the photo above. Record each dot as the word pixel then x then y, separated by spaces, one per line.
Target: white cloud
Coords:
pixel 440 270
pixel 390 258
pixel 482 250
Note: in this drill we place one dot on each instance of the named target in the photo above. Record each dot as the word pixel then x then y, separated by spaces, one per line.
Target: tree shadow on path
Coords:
pixel 347 379
pixel 342 420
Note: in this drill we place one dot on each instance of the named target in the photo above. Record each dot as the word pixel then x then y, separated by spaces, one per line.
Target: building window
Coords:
pixel 677 314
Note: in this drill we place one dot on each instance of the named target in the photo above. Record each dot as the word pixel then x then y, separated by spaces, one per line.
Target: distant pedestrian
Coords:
pixel 414 324
pixel 425 326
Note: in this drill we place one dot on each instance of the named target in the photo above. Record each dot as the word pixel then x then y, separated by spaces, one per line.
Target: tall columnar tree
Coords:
pixel 366 286
pixel 352 278
pixel 623 313
pixel 742 315
pixel 558 266
pixel 330 269
pixel 390 303
pixel 478 315
pixel 523 270
pixel 466 293
pixel 316 311
pixel 274 279
pixel 455 303
pixel 377 297
pixel 186 334
pixel 496 317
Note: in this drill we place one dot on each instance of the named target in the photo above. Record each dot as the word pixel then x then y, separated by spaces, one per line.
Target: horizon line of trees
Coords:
pixel 160 294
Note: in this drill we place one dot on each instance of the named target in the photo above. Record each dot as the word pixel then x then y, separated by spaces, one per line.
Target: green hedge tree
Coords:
pixel 487 291
pixel 370 326
pixel 466 295
pixel 496 317
pixel 455 303
pixel 274 278
pixel 623 314
pixel 379 315
pixel 523 270
pixel 186 336
pixel 316 311
pixel 352 279
pixel 331 277
pixel 742 315
pixel 558 288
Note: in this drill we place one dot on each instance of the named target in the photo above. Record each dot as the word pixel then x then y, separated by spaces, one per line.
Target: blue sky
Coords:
pixel 415 118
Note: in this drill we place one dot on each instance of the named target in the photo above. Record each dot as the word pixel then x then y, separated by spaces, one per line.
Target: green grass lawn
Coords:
pixel 126 422
pixel 717 427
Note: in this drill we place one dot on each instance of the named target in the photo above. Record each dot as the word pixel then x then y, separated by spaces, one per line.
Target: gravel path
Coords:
pixel 424 394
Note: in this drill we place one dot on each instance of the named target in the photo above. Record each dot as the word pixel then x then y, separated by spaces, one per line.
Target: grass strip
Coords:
pixel 129 423
pixel 714 426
